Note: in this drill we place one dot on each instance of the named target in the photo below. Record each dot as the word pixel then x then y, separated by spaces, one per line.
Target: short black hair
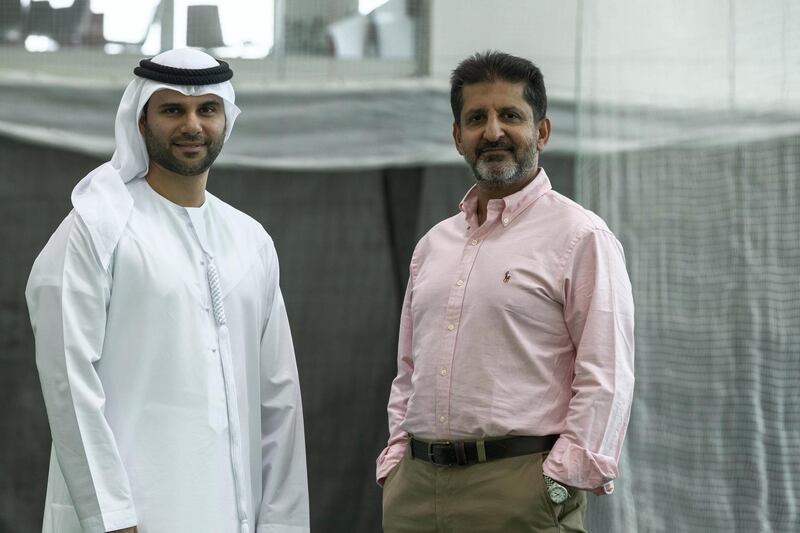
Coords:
pixel 492 66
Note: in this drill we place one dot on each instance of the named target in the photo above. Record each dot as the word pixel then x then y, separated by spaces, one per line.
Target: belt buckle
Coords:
pixel 430 451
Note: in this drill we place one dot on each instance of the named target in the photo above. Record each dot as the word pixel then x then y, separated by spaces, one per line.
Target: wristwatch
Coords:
pixel 558 493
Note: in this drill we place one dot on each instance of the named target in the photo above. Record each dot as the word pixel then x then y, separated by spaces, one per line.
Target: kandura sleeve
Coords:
pixel 598 312
pixel 400 393
pixel 68 293
pixel 284 503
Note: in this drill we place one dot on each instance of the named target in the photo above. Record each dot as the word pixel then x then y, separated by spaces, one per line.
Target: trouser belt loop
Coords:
pixel 480 446
pixel 461 454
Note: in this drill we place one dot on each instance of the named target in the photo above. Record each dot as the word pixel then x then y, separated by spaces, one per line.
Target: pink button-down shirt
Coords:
pixel 520 326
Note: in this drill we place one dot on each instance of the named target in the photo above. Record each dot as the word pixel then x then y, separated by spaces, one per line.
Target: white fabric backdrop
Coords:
pixel 361 126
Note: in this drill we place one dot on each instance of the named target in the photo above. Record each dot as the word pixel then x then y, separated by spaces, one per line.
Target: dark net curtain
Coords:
pixel 344 240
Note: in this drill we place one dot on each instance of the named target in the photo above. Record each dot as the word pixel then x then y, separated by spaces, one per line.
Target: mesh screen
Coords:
pixel 684 157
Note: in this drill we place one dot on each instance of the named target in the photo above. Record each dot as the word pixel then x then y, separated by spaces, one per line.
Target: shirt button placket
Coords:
pixel 452 320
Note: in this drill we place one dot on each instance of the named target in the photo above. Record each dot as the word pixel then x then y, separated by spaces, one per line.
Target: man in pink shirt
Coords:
pixel 515 360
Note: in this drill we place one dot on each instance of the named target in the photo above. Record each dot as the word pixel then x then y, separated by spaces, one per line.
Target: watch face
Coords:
pixel 558 494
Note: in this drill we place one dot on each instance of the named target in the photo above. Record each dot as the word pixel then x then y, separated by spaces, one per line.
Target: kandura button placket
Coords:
pixel 215 308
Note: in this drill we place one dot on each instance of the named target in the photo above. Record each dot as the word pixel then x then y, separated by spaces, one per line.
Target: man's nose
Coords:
pixel 493 131
pixel 191 123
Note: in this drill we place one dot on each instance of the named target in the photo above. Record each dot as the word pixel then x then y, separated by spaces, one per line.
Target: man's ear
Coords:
pixel 457 138
pixel 543 129
pixel 142 121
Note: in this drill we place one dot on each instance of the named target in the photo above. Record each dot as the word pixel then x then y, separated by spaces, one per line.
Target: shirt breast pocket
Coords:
pixel 527 292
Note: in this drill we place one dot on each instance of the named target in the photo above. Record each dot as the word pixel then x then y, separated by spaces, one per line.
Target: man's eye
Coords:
pixel 170 110
pixel 207 110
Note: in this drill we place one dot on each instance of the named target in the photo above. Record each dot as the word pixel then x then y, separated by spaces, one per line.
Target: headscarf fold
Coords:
pixel 101 198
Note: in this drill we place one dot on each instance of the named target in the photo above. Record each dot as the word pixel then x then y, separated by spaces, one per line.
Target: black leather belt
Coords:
pixel 450 453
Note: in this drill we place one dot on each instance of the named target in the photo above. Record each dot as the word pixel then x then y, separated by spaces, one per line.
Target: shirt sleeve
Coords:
pixel 68 293
pixel 284 504
pixel 598 312
pixel 400 393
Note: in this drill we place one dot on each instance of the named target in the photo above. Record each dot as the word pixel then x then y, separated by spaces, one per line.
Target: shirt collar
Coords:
pixel 513 204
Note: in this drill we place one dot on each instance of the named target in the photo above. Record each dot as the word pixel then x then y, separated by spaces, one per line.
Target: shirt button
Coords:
pixel 505 221
pixel 442 419
pixel 214 350
pixel 443 371
pixel 460 282
pixel 450 327
pixel 474 242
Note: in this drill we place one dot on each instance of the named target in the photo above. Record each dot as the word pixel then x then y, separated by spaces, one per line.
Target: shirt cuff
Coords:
pixel 109 521
pixel 580 468
pixel 388 459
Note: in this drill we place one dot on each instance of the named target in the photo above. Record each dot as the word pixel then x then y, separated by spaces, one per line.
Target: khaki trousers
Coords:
pixel 502 496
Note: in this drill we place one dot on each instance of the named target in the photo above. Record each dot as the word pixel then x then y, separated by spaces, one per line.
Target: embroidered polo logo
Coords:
pixel 507 277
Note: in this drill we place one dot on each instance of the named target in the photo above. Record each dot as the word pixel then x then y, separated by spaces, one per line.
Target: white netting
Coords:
pixel 690 148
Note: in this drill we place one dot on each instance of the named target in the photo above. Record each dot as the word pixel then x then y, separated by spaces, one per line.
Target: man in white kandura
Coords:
pixel 162 340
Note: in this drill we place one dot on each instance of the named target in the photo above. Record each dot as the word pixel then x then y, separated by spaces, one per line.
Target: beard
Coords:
pixel 160 152
pixel 497 170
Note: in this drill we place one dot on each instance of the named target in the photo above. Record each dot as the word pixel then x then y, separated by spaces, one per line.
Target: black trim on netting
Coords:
pixel 183 76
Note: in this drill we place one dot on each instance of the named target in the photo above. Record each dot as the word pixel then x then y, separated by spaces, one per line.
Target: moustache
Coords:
pixel 190 139
pixel 500 145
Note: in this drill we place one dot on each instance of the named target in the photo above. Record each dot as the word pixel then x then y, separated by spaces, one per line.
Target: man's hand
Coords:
pixel 604 490
pixel 126 530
